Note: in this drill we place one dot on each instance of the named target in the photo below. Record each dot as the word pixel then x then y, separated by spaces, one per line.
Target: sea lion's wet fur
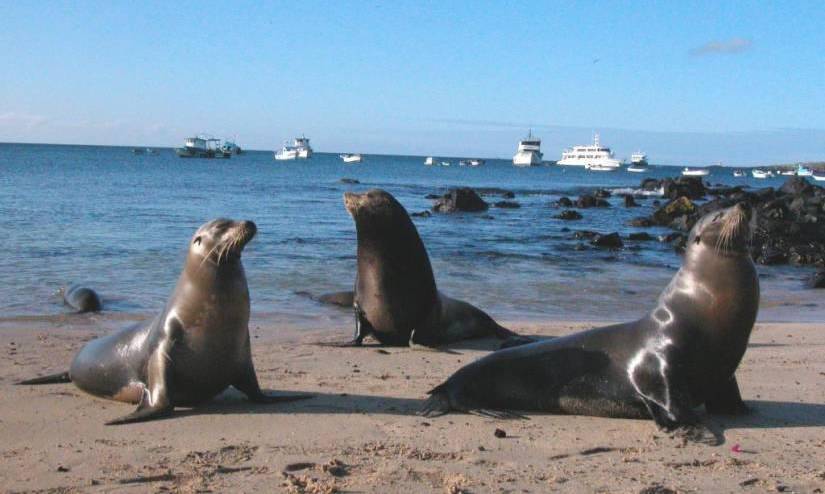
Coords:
pixel 396 299
pixel 682 355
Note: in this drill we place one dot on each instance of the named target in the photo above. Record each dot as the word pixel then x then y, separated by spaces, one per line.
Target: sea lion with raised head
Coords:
pixel 681 355
pixel 82 299
pixel 194 349
pixel 395 298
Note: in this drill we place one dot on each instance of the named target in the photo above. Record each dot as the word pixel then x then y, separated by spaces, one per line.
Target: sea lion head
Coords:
pixel 727 231
pixel 221 241
pixel 374 204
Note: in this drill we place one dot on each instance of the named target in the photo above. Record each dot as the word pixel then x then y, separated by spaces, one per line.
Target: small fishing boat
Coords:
pixel 200 146
pixel 430 161
pixel 351 158
pixel 445 163
pixel 819 176
pixel 803 171
pixel 471 162
pixel 787 172
pixel 696 172
pixel 230 147
pixel 299 150
pixel 761 174
pixel 739 173
pixel 600 168
pixel 638 168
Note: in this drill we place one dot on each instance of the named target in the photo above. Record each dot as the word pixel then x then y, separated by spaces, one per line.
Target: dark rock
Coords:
pixel 564 202
pixel 817 280
pixel 768 255
pixel 432 196
pixel 657 202
pixel 602 193
pixel 630 202
pixel 568 214
pixel 796 185
pixel 609 241
pixel 495 191
pixel 672 188
pixel 499 433
pixel 640 236
pixel 678 207
pixel 585 234
pixel 349 181
pixel 461 199
pixel 508 195
pixel 422 214
pixel 507 204
pixel 641 222
pixel 586 201
pixel 650 184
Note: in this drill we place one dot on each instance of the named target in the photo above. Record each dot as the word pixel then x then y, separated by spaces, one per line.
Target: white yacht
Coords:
pixel 300 149
pixel 351 158
pixel 757 173
pixel 638 158
pixel 696 172
pixel 430 161
pixel 739 173
pixel 529 151
pixel 594 155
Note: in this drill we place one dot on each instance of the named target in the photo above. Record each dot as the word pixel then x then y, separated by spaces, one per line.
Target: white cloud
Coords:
pixel 733 45
pixel 21 120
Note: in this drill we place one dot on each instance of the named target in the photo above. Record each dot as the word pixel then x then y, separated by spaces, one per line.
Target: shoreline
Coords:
pixel 365 411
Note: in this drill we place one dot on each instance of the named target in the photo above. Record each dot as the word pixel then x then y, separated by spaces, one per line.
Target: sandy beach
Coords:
pixel 360 432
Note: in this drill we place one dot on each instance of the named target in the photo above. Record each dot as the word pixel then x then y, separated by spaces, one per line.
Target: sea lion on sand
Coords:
pixel 395 298
pixel 681 355
pixel 82 299
pixel 194 349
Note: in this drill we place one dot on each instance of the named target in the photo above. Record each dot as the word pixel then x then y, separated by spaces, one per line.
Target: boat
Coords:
pixel 445 163
pixel 593 155
pixel 138 150
pixel 200 146
pixel 151 151
pixel 637 168
pixel 529 151
pixel 230 147
pixel 300 149
pixel 471 162
pixel 351 158
pixel 429 161
pixel 803 171
pixel 638 158
pixel 757 173
pixel 695 172
pixel 600 168
pixel 787 172
pixel 739 173
pixel 818 176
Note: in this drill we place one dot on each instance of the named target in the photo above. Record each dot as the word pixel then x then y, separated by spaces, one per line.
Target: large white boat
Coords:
pixel 351 158
pixel 638 158
pixel 757 173
pixel 430 161
pixel 528 152
pixel 593 155
pixel 696 172
pixel 300 149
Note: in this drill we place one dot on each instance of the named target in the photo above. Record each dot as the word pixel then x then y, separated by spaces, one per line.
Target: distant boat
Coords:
pixel 593 155
pixel 696 172
pixel 231 148
pixel 787 172
pixel 638 168
pixel 200 146
pixel 300 149
pixel 818 176
pixel 739 173
pixel 471 162
pixel 638 158
pixel 528 152
pixel 761 174
pixel 138 150
pixel 803 171
pixel 151 151
pixel 445 163
pixel 601 168
pixel 429 161
pixel 350 158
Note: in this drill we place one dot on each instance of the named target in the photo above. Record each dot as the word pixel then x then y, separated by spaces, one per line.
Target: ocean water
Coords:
pixel 121 224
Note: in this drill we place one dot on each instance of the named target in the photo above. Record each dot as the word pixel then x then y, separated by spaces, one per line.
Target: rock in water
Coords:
pixel 568 215
pixel 461 199
pixel 609 241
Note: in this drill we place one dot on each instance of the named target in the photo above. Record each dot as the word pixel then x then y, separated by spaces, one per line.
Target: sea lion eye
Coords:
pixel 697 239
pixel 197 241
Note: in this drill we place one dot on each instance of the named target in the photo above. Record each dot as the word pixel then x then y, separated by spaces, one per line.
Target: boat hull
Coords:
pixel 527 158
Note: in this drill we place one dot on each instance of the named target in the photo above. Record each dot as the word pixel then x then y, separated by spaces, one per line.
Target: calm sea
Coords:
pixel 121 224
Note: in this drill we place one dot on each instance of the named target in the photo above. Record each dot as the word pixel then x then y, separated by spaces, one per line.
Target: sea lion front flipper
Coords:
pixel 727 400
pixel 247 383
pixel 156 401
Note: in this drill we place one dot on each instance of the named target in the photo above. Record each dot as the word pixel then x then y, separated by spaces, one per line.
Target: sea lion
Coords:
pixel 395 298
pixel 681 355
pixel 82 299
pixel 195 348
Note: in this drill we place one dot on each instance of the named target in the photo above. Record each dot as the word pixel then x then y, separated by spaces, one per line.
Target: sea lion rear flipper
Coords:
pixel 726 399
pixel 156 401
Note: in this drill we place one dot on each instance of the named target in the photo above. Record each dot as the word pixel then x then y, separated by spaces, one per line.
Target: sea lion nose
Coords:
pixel 249 227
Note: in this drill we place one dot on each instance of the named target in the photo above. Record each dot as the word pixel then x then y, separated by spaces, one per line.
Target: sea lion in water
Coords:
pixel 395 298
pixel 82 299
pixel 682 355
pixel 194 349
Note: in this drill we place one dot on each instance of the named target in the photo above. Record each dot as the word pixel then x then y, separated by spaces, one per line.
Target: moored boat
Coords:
pixel 528 152
pixel 591 155
pixel 819 176
pixel 695 172
pixel 351 158
pixel 739 173
pixel 471 162
pixel 429 161
pixel 761 174
pixel 803 171
pixel 200 146
pixel 300 149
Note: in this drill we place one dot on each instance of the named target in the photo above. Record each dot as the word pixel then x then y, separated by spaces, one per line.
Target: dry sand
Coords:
pixel 361 434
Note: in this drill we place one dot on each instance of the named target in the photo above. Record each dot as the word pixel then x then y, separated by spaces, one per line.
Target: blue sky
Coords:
pixel 688 82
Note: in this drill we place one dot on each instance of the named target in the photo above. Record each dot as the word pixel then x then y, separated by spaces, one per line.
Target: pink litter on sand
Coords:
pixel 736 448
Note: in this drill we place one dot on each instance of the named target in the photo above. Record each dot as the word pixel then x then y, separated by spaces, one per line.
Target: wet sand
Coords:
pixel 361 433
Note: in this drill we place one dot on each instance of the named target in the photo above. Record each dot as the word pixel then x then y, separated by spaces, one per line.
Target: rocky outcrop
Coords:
pixel 568 214
pixel 463 199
